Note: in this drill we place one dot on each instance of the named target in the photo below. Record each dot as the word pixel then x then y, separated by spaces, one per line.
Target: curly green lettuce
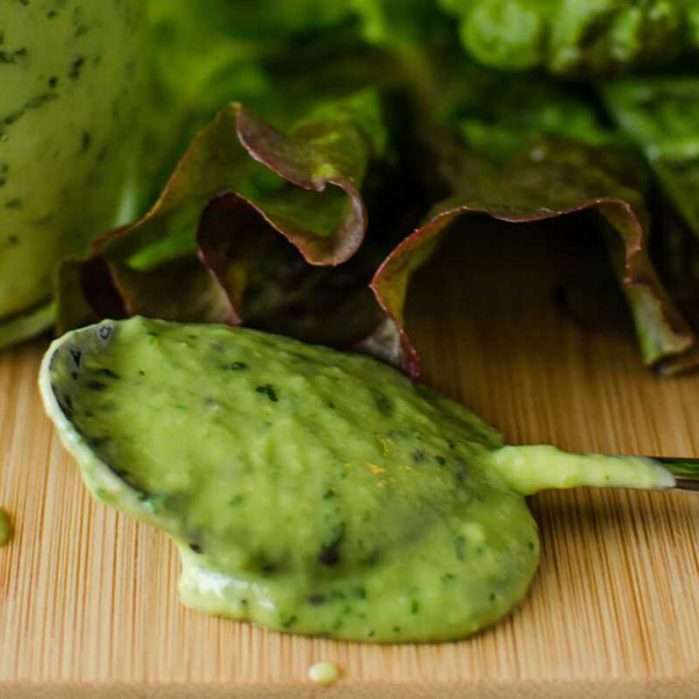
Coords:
pixel 517 163
pixel 206 54
pixel 568 37
pixel 250 214
pixel 357 132
pixel 661 115
pixel 550 180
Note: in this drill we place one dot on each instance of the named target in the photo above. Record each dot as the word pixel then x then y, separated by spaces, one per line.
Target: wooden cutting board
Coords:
pixel 88 601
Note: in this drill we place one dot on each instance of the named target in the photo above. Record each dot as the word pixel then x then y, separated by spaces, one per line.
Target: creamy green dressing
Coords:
pixel 308 490
pixel 70 89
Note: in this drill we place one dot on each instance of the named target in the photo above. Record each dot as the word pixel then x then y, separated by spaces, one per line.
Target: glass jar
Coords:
pixel 71 81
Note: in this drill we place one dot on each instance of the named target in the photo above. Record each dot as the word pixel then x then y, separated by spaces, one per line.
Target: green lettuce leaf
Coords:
pixel 401 24
pixel 552 179
pixel 662 116
pixel 271 286
pixel 249 213
pixel 595 37
pixel 206 54
pixel 692 8
pixel 499 120
pixel 265 220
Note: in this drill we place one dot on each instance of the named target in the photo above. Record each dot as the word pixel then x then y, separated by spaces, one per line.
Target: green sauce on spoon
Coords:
pixel 307 490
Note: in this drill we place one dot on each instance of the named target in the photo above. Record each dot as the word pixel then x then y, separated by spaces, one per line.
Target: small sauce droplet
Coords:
pixel 324 673
pixel 5 528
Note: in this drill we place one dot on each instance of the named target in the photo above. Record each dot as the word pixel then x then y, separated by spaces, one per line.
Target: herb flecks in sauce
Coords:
pixel 411 527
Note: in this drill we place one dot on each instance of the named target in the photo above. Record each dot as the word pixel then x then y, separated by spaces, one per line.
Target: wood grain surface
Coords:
pixel 88 602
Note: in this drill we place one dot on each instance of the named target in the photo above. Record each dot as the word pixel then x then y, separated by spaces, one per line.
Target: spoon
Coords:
pixel 685 471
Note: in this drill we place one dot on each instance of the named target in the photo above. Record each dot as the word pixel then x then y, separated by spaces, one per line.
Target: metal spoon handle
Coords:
pixel 685 471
